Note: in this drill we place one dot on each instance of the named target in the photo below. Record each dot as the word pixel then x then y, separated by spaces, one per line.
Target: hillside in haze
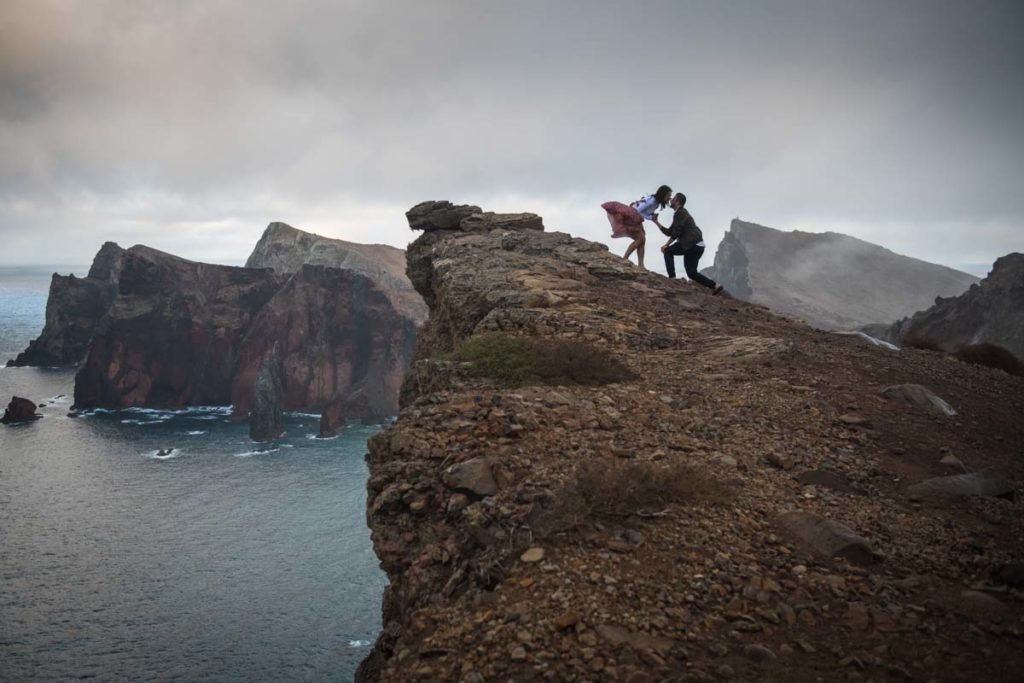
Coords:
pixel 829 280
pixel 287 249
pixel 990 312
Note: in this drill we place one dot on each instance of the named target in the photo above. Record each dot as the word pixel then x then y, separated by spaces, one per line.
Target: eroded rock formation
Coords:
pixel 186 333
pixel 628 531
pixel 74 308
pixel 286 249
pixel 829 280
pixel 991 311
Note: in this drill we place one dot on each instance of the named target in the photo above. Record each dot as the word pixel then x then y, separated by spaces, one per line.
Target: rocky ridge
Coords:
pixel 991 311
pixel 803 550
pixel 74 308
pixel 286 249
pixel 829 280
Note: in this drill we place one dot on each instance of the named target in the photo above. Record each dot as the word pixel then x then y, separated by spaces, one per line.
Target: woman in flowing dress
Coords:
pixel 628 221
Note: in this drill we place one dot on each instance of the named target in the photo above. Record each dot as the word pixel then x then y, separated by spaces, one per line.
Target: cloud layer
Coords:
pixel 191 125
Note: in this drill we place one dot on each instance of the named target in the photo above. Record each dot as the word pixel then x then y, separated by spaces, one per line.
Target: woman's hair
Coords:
pixel 682 199
pixel 663 194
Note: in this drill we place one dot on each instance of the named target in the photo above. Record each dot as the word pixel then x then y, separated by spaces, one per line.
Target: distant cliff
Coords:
pixel 829 280
pixel 73 309
pixel 991 311
pixel 285 249
pixel 186 333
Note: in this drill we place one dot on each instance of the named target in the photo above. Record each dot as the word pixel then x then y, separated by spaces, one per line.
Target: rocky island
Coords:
pixel 598 473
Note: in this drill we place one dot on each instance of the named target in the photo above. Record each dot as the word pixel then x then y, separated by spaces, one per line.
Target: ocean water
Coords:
pixel 164 545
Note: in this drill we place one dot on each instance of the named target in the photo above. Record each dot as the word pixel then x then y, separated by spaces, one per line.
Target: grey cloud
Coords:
pixel 146 115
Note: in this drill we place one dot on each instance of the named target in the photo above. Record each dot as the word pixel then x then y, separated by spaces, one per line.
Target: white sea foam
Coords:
pixel 313 415
pixel 195 432
pixel 322 438
pixel 167 454
pixel 249 454
pixel 358 643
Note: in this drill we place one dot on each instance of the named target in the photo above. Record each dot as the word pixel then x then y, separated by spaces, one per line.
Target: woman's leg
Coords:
pixel 691 257
pixel 640 251
pixel 630 249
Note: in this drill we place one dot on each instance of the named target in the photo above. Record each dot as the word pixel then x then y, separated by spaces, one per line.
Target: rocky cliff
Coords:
pixel 989 312
pixel 185 333
pixel 753 499
pixel 74 308
pixel 285 249
pixel 829 280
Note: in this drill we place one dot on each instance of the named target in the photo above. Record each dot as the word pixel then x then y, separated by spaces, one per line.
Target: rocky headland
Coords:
pixel 829 280
pixel 185 333
pixel 73 309
pixel 599 473
pixel 990 312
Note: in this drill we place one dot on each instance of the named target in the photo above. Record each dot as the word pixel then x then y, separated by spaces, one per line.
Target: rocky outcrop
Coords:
pixel 991 312
pixel 831 281
pixel 635 530
pixel 19 410
pixel 266 419
pixel 172 336
pixel 74 308
pixel 186 333
pixel 286 249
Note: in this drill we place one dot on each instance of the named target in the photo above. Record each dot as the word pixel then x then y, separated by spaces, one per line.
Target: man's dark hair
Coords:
pixel 682 199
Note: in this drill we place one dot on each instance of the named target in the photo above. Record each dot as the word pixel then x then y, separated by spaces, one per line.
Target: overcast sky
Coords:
pixel 189 126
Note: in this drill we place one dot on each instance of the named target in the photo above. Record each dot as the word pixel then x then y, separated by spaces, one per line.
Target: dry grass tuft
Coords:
pixel 608 487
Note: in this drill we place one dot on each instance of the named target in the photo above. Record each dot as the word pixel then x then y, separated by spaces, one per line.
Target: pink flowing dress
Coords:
pixel 625 220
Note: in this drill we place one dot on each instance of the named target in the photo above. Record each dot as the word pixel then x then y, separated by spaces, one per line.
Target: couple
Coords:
pixel 684 237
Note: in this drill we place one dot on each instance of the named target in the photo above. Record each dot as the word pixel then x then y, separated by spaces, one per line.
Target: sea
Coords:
pixel 164 545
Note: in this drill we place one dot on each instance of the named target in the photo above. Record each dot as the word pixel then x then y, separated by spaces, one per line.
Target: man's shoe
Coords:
pixel 717 290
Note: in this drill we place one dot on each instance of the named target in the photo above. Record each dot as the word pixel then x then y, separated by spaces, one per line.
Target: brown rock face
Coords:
pixel 286 249
pixel 831 281
pixel 172 336
pixel 185 333
pixel 991 311
pixel 339 338
pixel 647 529
pixel 74 308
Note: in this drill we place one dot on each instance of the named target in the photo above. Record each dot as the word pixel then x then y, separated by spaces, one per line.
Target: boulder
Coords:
pixel 825 536
pixel 473 477
pixel 438 215
pixel 501 221
pixel 19 410
pixel 918 396
pixel 988 483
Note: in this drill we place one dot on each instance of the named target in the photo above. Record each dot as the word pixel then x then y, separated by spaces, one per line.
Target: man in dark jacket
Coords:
pixel 685 239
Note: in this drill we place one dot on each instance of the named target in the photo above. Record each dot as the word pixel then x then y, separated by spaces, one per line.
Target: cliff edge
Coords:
pixel 598 473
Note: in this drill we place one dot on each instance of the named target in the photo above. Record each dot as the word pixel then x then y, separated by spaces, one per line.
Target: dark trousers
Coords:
pixel 691 257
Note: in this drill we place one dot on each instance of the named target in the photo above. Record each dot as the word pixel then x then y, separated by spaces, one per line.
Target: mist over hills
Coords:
pixel 829 280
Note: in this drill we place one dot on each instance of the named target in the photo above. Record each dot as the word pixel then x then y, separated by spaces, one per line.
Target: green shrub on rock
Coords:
pixel 515 361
